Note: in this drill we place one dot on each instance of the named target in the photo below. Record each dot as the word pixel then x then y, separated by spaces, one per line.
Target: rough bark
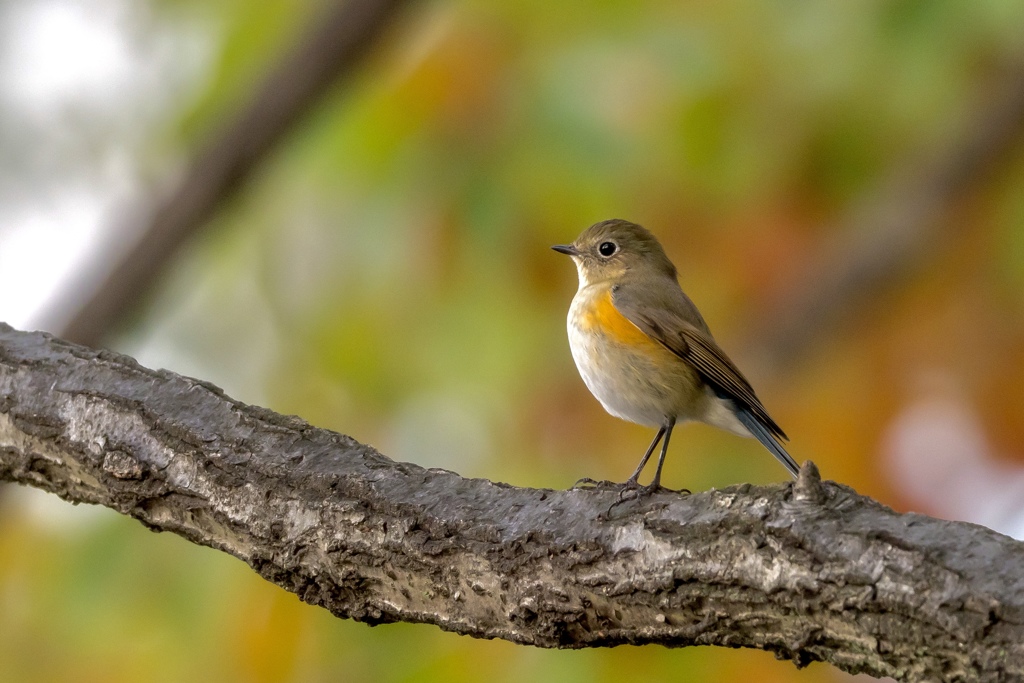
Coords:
pixel 808 570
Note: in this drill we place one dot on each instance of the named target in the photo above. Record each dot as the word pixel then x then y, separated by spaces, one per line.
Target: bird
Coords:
pixel 646 353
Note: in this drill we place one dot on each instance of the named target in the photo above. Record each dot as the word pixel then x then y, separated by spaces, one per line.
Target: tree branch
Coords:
pixel 808 570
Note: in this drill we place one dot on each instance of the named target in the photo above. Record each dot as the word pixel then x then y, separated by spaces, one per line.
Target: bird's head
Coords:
pixel 614 248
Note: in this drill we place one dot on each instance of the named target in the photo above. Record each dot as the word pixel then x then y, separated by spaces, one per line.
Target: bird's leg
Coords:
pixel 632 482
pixel 631 490
pixel 656 482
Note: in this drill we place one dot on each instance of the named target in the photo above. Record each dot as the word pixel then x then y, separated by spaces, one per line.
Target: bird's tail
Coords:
pixel 761 433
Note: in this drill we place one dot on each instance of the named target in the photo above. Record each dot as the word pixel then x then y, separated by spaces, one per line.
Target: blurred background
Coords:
pixel 362 239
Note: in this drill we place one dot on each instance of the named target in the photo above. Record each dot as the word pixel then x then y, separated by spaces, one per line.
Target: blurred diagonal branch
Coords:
pixel 808 570
pixel 331 48
pixel 890 232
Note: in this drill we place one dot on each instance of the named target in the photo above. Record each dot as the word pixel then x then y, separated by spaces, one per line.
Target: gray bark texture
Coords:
pixel 808 570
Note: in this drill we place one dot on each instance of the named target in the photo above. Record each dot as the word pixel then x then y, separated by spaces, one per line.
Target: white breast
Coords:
pixel 617 377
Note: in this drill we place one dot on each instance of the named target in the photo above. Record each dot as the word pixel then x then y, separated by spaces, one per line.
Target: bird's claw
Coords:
pixel 632 490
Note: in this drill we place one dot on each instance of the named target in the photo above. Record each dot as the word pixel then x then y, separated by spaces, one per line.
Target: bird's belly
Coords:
pixel 633 376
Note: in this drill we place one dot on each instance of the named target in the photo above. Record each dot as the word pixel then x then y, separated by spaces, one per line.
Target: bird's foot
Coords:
pixel 632 490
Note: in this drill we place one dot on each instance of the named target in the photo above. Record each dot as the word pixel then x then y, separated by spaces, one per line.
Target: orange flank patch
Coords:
pixel 602 315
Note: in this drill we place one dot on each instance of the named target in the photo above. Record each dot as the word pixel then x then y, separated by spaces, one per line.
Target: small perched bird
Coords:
pixel 644 350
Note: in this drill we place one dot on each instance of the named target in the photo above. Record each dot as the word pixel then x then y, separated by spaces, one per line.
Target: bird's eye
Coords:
pixel 607 249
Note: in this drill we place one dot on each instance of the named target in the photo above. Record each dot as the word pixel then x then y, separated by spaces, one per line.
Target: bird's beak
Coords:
pixel 566 249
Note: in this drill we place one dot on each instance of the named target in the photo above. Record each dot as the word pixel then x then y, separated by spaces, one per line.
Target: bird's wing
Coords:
pixel 666 321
